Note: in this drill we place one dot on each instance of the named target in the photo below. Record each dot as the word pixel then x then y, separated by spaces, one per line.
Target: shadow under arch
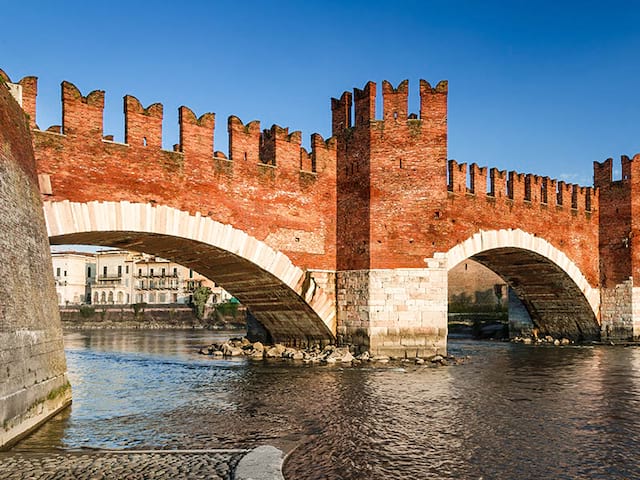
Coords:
pixel 558 297
pixel 282 297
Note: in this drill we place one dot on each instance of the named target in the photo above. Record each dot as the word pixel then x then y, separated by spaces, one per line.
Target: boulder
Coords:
pixel 347 358
pixel 363 357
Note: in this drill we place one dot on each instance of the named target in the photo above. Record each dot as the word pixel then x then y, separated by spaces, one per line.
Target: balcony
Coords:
pixel 157 275
pixel 109 279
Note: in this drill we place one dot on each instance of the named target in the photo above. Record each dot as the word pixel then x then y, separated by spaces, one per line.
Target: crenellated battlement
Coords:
pixel 603 171
pixel 268 184
pixel 82 116
pixel 395 108
pixel 519 188
pixel 142 126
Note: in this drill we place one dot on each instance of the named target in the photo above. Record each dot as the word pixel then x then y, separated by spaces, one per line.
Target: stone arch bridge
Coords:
pixel 351 239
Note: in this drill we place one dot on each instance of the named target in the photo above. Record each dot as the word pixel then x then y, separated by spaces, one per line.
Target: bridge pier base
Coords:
pixel 620 312
pixel 399 312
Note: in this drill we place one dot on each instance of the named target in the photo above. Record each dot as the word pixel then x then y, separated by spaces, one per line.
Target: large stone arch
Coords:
pixel 283 297
pixel 560 300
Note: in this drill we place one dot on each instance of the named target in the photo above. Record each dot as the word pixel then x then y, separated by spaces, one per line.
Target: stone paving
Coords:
pixel 125 465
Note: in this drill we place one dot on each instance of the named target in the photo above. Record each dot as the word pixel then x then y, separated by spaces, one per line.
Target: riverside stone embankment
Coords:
pixel 151 318
pixel 34 381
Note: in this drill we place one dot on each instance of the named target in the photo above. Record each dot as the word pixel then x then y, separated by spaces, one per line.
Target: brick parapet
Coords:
pixel 268 185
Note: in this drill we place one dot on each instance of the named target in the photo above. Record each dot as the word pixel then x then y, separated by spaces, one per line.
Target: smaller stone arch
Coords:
pixel 557 295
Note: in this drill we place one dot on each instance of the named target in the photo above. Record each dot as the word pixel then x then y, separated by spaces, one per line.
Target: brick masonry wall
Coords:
pixel 33 381
pixel 261 188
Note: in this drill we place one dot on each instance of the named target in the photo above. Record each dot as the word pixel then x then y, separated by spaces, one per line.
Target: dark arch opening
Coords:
pixel 286 317
pixel 555 304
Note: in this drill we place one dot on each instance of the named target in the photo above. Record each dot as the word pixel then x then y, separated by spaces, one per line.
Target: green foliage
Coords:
pixel 199 300
pixel 229 308
pixel 87 311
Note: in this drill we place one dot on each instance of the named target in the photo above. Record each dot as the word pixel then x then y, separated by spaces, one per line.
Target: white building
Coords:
pixel 119 277
pixel 74 274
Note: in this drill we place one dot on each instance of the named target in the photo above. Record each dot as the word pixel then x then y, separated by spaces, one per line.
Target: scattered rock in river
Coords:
pixel 546 340
pixel 329 354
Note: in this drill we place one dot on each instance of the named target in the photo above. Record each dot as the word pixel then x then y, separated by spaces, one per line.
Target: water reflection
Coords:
pixel 512 411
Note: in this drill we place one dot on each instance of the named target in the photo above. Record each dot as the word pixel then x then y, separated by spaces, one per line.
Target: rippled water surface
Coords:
pixel 510 412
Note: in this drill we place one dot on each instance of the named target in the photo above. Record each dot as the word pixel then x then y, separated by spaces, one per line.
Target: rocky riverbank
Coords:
pixel 242 347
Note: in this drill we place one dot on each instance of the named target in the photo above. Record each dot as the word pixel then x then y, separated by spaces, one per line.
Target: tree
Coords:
pixel 199 300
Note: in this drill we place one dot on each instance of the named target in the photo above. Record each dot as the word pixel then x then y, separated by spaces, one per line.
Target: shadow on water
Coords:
pixel 512 411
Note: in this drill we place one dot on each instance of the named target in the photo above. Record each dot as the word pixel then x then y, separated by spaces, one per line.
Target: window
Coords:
pixel 65 273
pixel 139 272
pixel 151 272
pixel 152 297
pixel 119 270
pixel 120 297
pixel 89 272
pixel 162 298
pixel 126 270
pixel 58 272
pixel 110 297
pixel 104 270
pixel 163 272
pixel 190 273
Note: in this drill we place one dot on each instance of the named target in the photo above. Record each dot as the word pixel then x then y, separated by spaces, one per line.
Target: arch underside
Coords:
pixel 557 305
pixel 284 313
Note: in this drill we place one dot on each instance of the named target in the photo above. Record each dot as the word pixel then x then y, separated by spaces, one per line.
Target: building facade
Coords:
pixel 74 274
pixel 118 277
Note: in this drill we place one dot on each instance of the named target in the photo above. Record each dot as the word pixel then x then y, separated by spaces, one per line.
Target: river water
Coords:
pixel 510 412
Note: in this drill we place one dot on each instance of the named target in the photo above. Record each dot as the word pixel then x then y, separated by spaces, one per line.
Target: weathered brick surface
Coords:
pixel 262 188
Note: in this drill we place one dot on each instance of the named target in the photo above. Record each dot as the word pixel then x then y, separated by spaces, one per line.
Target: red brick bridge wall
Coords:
pixel 268 186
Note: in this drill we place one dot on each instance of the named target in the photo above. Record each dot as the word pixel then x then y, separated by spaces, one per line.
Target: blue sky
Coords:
pixel 541 87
